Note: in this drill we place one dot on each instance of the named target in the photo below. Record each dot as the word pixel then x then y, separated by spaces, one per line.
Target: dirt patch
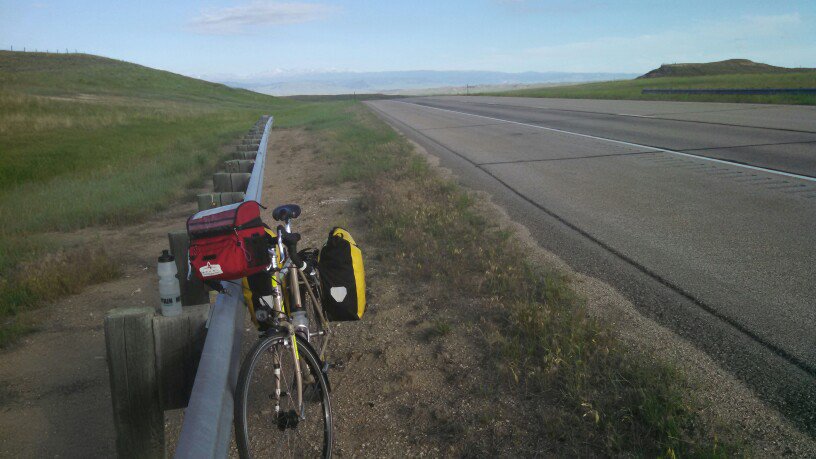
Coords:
pixel 410 378
pixel 54 394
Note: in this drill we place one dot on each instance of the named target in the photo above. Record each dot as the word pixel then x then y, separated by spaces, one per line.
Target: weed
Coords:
pixel 439 328
pixel 47 278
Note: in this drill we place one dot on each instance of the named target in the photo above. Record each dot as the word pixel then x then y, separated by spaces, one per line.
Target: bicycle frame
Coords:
pixel 280 262
pixel 283 267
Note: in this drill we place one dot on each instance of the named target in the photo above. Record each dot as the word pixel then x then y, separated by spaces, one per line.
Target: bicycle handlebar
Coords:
pixel 288 240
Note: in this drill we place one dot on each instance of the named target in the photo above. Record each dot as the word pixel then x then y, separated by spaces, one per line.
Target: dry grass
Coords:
pixel 576 385
pixel 26 114
pixel 598 397
pixel 47 278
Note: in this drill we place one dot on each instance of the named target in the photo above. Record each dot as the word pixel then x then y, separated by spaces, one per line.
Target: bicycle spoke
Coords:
pixel 285 433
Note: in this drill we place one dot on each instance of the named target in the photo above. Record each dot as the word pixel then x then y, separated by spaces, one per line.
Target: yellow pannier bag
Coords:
pixel 342 277
pixel 252 298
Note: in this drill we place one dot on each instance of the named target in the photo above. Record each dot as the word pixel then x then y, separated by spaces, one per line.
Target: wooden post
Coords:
pixel 239 165
pixel 225 181
pixel 222 182
pixel 137 412
pixel 247 155
pixel 232 197
pixel 179 341
pixel 210 200
pixel 247 147
pixel 193 291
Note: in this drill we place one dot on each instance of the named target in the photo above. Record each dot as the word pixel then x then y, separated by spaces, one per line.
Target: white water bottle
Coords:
pixel 169 289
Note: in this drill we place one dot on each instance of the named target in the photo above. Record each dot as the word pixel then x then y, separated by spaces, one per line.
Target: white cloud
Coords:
pixel 252 16
pixel 771 39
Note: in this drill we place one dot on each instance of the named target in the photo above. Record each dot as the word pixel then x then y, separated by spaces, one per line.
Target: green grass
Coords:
pixel 88 141
pixel 341 97
pixel 53 74
pixel 50 277
pixel 631 89
pixel 586 392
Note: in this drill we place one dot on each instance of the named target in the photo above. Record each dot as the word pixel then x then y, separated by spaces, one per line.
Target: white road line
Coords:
pixel 621 142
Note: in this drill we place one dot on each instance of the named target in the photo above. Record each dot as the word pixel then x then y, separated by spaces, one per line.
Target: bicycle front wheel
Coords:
pixel 274 419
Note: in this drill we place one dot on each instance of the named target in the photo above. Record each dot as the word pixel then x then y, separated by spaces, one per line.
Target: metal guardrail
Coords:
pixel 207 424
pixel 725 91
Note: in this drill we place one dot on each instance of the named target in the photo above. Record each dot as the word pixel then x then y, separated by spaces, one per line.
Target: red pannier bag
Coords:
pixel 228 242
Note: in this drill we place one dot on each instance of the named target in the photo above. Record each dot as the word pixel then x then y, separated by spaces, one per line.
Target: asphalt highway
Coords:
pixel 702 214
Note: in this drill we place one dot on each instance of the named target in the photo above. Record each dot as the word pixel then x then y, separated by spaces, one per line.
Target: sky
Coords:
pixel 256 37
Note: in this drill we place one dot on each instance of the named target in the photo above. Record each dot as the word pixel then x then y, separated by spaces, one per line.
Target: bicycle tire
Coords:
pixel 253 411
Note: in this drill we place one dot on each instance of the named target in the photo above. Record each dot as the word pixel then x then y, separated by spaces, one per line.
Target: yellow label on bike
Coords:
pixel 294 344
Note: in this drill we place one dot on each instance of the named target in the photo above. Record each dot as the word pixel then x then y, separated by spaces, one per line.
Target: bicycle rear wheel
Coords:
pixel 268 420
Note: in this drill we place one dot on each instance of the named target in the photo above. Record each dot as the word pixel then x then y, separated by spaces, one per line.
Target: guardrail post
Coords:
pixel 193 291
pixel 239 165
pixel 246 155
pixel 179 341
pixel 210 200
pixel 137 412
pixel 225 181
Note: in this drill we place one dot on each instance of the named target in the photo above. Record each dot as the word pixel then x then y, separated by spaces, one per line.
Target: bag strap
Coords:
pixel 255 222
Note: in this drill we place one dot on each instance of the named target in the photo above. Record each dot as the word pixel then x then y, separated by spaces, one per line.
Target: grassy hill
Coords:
pixel 69 113
pixel 727 67
pixel 85 141
pixel 57 74
pixel 735 73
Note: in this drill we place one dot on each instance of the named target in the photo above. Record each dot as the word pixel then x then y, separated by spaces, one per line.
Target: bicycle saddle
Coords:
pixel 286 212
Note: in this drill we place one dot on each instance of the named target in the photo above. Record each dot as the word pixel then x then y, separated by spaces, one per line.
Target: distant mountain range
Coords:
pixel 314 83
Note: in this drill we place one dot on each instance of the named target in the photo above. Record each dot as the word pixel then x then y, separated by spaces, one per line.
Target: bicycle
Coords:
pixel 274 391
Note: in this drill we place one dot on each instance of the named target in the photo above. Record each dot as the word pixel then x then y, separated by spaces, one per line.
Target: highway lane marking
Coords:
pixel 660 116
pixel 621 142
pixel 790 358
pixel 459 127
pixel 570 158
